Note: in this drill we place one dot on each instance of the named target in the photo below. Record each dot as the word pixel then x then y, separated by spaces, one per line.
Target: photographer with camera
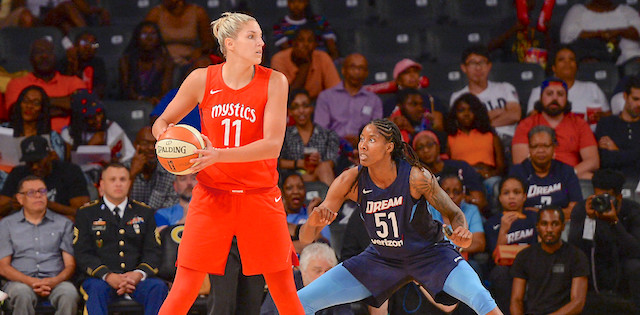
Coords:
pixel 606 228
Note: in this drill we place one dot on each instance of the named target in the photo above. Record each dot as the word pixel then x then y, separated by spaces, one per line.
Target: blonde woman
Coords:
pixel 243 108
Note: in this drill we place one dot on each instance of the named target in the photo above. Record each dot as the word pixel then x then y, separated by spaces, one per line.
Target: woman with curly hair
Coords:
pixel 473 140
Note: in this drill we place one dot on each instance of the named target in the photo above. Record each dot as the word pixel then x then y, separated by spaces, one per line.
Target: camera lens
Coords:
pixel 601 203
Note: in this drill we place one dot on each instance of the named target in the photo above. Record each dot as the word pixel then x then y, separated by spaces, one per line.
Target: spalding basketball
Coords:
pixel 177 146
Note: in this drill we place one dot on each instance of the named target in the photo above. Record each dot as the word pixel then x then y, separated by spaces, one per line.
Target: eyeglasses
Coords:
pixel 34 192
pixel 477 63
pixel 149 35
pixel 93 45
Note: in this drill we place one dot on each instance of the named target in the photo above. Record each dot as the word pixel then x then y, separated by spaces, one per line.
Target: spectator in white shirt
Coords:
pixel 587 99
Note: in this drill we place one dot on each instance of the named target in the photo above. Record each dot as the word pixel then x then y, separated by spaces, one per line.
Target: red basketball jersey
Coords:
pixel 233 118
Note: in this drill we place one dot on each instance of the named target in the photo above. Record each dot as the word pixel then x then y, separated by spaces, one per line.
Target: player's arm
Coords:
pixel 339 191
pixel 189 95
pixel 275 124
pixel 578 297
pixel 517 296
pixel 423 183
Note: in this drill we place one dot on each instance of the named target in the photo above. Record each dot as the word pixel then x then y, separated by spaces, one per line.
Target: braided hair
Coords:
pixel 401 149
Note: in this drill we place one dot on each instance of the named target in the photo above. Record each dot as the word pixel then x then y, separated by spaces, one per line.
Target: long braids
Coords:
pixel 401 149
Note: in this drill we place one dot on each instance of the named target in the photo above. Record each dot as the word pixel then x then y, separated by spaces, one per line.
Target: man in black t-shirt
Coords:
pixel 66 186
pixel 610 237
pixel 551 276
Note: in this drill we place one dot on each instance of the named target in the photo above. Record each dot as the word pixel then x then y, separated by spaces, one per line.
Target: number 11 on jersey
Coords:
pixel 227 131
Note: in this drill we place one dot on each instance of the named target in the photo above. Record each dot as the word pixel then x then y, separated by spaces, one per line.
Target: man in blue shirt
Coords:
pixel 36 253
pixel 183 184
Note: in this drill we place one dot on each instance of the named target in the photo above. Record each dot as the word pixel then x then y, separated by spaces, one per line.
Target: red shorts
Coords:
pixel 257 219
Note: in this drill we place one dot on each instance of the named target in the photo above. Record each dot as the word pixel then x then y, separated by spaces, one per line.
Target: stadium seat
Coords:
pixel 444 79
pixel 419 13
pixel 113 41
pixel 630 69
pixel 632 3
pixel 128 12
pixel 315 189
pixel 523 76
pixel 130 115
pixel 214 7
pixel 43 307
pixel 16 42
pixel 388 43
pixel 351 13
pixel 380 70
pixel 444 44
pixel 479 12
pixel 268 12
pixel 602 73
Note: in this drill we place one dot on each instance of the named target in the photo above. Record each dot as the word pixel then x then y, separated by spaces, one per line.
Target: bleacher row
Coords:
pixel 433 32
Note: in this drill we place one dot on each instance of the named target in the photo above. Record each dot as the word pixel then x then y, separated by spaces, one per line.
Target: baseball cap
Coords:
pixel 403 65
pixel 34 149
pixel 553 81
pixel 86 103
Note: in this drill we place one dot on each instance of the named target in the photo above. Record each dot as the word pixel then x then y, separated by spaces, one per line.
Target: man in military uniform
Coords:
pixel 116 247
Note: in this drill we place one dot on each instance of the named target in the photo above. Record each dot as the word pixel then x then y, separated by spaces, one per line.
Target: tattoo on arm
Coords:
pixel 426 184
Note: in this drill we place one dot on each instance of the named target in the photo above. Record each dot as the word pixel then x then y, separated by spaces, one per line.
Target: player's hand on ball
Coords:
pixel 159 128
pixel 321 216
pixel 461 236
pixel 208 156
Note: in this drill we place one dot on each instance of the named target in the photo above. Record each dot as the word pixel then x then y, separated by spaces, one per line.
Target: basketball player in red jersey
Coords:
pixel 243 110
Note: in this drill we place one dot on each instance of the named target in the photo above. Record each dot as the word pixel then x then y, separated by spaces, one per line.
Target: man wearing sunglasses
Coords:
pixel 65 183
pixel 36 253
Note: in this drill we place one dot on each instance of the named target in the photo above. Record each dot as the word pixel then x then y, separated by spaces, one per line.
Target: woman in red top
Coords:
pixel 243 109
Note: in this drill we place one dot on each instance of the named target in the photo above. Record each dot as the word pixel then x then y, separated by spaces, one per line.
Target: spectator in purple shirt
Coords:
pixel 346 107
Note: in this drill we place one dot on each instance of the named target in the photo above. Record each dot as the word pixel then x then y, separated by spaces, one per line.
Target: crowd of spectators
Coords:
pixel 547 186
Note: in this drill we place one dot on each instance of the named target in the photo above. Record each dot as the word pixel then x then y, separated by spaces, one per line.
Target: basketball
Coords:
pixel 177 146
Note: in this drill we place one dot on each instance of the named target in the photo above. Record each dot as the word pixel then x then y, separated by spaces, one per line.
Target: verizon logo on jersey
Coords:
pixel 231 109
pixel 375 206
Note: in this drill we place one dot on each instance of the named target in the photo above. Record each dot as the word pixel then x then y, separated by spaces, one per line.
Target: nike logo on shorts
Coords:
pixel 455 260
pixel 365 191
pixel 278 198
pixel 214 92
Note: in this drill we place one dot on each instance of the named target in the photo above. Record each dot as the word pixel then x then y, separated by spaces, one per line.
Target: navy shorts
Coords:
pixel 382 276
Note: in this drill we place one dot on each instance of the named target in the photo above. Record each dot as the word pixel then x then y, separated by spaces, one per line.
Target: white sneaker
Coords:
pixel 3 296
